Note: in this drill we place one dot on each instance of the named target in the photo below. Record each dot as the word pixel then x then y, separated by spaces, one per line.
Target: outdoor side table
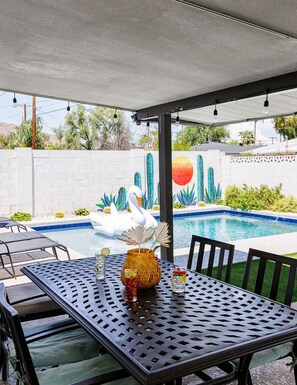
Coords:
pixel 164 335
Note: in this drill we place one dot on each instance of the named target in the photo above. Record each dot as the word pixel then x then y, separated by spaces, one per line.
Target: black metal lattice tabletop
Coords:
pixel 165 335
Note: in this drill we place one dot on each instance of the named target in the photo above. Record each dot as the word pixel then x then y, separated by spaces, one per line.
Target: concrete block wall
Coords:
pixel 41 182
pixel 267 170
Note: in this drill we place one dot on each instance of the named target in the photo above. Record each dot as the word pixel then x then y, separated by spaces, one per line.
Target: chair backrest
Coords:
pixel 10 327
pixel 271 269
pixel 220 251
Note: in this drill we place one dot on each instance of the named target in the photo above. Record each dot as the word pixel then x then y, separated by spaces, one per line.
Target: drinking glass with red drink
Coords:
pixel 178 279
pixel 131 285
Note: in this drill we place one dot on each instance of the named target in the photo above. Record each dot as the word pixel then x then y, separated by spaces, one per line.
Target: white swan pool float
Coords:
pixel 116 223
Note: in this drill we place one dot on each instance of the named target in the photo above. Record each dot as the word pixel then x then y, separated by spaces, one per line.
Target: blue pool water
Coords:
pixel 224 226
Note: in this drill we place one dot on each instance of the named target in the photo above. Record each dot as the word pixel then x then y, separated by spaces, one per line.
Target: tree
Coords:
pixel 150 140
pixel 286 126
pixel 247 137
pixel 95 128
pixel 23 135
pixel 194 135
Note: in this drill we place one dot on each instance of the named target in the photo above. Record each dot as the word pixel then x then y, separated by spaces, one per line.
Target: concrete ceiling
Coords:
pixel 133 54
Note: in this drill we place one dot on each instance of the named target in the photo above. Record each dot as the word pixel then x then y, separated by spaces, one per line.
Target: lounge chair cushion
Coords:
pixel 62 348
pixel 31 306
pixel 72 373
pixel 269 355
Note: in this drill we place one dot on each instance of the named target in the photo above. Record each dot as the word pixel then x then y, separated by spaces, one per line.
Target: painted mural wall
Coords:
pixel 42 182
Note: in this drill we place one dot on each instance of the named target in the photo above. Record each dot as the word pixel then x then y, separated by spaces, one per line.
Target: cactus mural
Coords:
pixel 137 180
pixel 210 184
pixel 200 179
pixel 122 199
pixel 150 179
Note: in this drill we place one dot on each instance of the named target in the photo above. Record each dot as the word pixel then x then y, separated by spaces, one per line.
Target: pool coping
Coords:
pixel 85 222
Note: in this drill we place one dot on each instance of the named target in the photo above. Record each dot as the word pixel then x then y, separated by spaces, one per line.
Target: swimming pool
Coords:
pixel 221 225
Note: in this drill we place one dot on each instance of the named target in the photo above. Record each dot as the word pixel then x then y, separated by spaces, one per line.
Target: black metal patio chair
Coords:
pixel 51 346
pixel 220 254
pixel 283 269
pixel 31 303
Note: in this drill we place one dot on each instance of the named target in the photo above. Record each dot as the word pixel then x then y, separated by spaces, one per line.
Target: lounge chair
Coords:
pixel 31 244
pixel 10 224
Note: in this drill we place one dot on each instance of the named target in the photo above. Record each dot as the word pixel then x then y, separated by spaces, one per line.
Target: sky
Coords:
pixel 53 111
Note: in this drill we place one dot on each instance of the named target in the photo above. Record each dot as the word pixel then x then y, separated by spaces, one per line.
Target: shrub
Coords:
pixel 252 198
pixel 19 216
pixel 178 205
pixel 82 212
pixel 59 214
pixel 201 204
pixel 156 207
pixel 288 204
pixel 106 210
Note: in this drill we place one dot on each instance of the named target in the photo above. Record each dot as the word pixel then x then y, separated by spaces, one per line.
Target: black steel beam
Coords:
pixel 165 176
pixel 243 91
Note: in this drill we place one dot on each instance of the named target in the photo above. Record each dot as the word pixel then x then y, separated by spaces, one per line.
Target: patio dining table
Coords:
pixel 163 335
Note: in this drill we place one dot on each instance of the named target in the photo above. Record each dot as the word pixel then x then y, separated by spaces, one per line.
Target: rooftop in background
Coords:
pixel 229 149
pixel 286 147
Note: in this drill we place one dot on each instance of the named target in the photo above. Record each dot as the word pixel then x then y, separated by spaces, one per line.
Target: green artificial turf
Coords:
pixel 237 277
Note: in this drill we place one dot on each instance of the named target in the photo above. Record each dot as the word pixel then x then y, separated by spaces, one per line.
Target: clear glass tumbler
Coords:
pixel 100 263
pixel 178 279
pixel 131 285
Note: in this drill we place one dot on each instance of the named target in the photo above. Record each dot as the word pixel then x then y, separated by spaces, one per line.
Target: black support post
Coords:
pixel 165 175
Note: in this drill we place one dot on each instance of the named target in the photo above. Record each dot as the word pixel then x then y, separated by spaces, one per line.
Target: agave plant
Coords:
pixel 215 196
pixel 106 201
pixel 187 197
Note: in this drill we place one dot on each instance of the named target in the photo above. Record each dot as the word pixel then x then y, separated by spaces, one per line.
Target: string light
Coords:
pixel 266 103
pixel 14 100
pixel 147 124
pixel 215 111
pixel 68 107
pixel 115 117
pixel 177 121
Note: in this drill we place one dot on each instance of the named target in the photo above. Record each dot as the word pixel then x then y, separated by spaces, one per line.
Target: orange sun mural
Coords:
pixel 182 170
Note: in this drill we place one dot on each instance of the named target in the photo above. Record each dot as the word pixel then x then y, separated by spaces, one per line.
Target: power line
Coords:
pixel 3 93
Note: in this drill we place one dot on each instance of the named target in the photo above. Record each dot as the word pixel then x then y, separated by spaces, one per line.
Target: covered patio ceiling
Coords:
pixel 155 58
pixel 135 54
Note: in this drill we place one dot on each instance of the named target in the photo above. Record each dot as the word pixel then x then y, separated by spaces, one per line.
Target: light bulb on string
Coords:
pixel 14 100
pixel 266 104
pixel 68 107
pixel 215 112
pixel 177 121
pixel 115 117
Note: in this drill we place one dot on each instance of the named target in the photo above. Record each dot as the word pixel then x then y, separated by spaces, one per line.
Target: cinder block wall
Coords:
pixel 41 182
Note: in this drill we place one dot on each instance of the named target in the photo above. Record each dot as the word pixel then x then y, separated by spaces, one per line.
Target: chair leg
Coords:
pixel 249 379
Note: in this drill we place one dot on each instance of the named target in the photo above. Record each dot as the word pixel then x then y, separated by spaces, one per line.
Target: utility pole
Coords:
pixel 33 122
pixel 255 131
pixel 24 106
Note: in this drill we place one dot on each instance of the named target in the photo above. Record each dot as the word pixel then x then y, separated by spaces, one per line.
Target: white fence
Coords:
pixel 41 182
